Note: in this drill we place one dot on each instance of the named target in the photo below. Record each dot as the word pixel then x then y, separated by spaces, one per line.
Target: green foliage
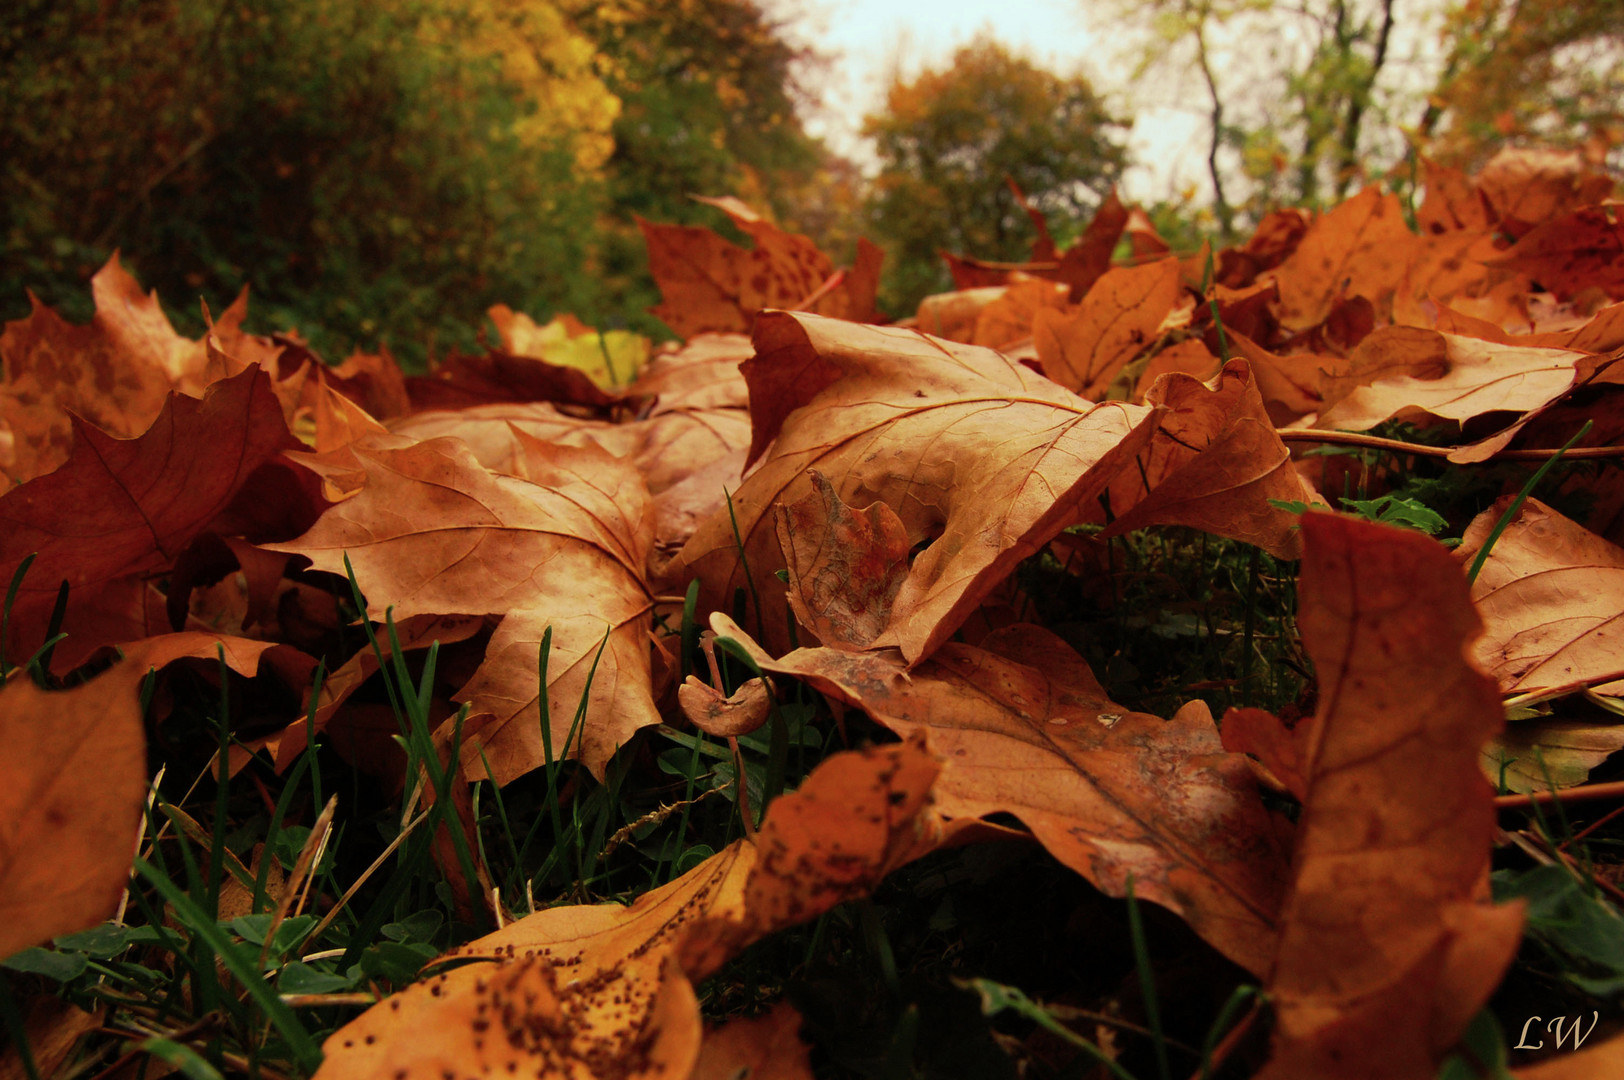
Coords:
pixel 947 141
pixel 365 173
pixel 708 107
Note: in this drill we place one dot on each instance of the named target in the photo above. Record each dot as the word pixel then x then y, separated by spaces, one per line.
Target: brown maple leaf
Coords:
pixel 710 284
pixel 1118 319
pixel 979 456
pixel 1215 464
pixel 1551 594
pixel 121 511
pixel 1359 248
pixel 432 532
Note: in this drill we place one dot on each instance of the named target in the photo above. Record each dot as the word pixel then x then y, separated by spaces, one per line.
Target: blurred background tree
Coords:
pixel 948 139
pixel 1306 102
pixel 364 165
pixel 381 169
pixel 1549 69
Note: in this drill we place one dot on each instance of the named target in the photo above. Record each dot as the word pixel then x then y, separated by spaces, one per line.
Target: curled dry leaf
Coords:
pixel 603 990
pixel 1214 464
pixel 1084 349
pixel 976 454
pixel 1290 383
pixel 432 532
pixel 710 284
pixel 137 504
pixel 1388 944
pixel 738 713
pixel 1400 369
pixel 72 782
pixel 845 565
pixel 1022 727
pixel 1551 594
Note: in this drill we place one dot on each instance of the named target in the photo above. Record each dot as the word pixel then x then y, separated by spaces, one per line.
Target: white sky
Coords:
pixel 867 40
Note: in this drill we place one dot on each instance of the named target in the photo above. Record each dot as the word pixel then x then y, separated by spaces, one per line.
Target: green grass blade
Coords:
pixel 304 1048
pixel 1516 504
pixel 1147 984
pixel 11 598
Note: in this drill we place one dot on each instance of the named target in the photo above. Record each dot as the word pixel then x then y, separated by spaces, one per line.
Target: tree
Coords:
pixel 367 167
pixel 708 92
pixel 948 140
pixel 1528 67
pixel 1289 90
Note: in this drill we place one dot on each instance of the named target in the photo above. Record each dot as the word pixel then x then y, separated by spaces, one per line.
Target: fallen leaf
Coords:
pixel 1290 384
pixel 1008 319
pixel 725 716
pixel 1527 186
pixel 136 504
pixel 1551 595
pixel 1581 250
pixel 1215 464
pixel 627 1007
pixel 610 358
pixel 845 566
pixel 1388 944
pixel 1540 754
pixel 72 784
pixel 1274 240
pixel 1117 320
pixel 954 315
pixel 710 284
pixel 1279 751
pixel 1452 202
pixel 975 453
pixel 703 373
pixel 53 1028
pixel 1022 727
pixel 1444 375
pixel 521 1017
pixel 432 532
pixel 1191 357
pixel 765 1047
pixel 113 373
pixel 1359 248
pixel 1089 258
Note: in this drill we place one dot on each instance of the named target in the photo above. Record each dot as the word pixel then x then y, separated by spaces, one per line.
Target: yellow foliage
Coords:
pixel 553 65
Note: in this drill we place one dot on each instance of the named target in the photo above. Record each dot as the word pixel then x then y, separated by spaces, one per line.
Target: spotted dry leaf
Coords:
pixel 601 991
